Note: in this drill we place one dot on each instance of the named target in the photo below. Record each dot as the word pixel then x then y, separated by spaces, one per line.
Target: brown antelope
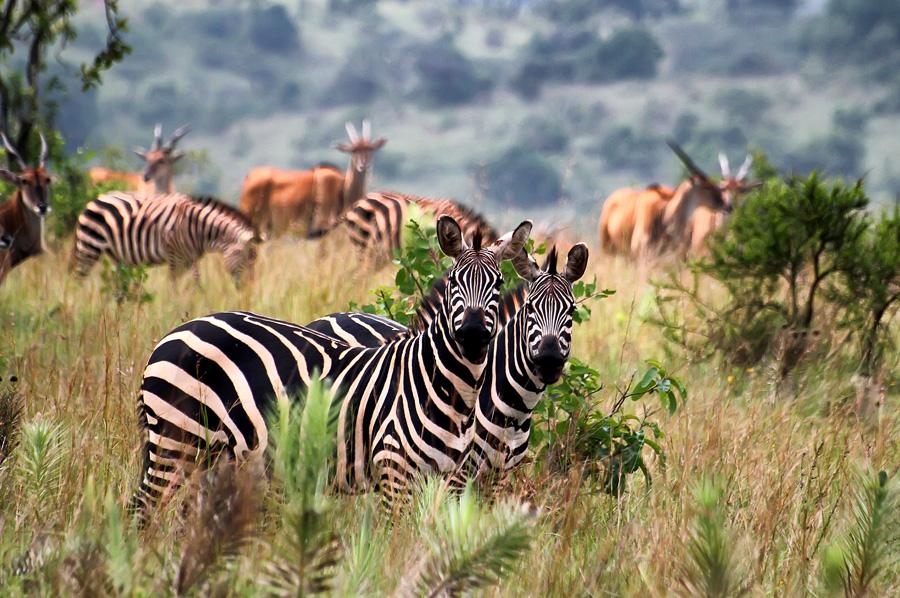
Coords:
pixel 274 199
pixel 662 225
pixel 22 215
pixel 618 216
pixel 158 172
pixel 705 221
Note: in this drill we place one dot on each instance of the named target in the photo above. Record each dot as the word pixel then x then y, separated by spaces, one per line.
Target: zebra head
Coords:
pixel 548 310
pixel 472 298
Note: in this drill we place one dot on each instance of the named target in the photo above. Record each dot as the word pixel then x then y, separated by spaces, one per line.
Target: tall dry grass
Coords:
pixel 784 461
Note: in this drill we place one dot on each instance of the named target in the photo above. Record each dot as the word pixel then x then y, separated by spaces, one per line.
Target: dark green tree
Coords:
pixel 29 31
pixel 869 287
pixel 781 245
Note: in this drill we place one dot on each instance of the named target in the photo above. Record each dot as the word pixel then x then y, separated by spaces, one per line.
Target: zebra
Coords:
pixel 173 228
pixel 376 221
pixel 527 355
pixel 401 409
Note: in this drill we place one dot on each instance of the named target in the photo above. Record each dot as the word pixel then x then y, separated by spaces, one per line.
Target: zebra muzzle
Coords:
pixel 473 335
pixel 549 360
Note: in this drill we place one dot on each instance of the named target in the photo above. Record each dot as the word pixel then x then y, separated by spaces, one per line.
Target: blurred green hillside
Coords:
pixel 509 105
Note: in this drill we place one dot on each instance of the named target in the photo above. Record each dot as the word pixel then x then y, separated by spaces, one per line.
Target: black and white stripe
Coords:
pixel 375 222
pixel 401 409
pixel 527 355
pixel 135 229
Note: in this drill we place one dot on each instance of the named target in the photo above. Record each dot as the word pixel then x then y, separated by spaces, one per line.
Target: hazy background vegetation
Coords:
pixel 503 103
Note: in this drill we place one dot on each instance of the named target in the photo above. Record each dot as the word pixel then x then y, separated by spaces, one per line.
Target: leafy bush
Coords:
pixel 841 152
pixel 446 76
pixel 623 147
pixel 783 244
pixel 570 427
pixel 869 287
pixel 543 135
pixel 521 176
pixel 421 263
pixel 273 30
pixel 125 283
pixel 743 106
pixel 579 55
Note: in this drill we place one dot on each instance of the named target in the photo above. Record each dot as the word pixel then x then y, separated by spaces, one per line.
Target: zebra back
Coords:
pixel 376 222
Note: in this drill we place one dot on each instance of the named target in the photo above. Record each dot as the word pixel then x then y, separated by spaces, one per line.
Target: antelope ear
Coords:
pixel 176 156
pixel 9 176
pixel 450 236
pixel 512 244
pixel 576 262
pixel 379 143
pixel 140 153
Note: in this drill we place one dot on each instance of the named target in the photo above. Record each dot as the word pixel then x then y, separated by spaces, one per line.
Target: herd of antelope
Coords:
pixel 640 223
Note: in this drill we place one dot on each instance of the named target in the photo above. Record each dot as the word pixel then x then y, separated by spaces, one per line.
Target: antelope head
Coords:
pixel 361 147
pixel 704 191
pixel 6 240
pixel 32 183
pixel 161 157
pixel 733 187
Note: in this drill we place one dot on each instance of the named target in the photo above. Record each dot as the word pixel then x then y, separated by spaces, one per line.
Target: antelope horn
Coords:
pixel 157 137
pixel 43 159
pixel 12 152
pixel 744 170
pixel 351 132
pixel 686 160
pixel 177 135
pixel 724 165
pixel 366 129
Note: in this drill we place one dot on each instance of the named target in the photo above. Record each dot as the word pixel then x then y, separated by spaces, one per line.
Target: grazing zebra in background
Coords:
pixel 376 221
pixel 173 228
pixel 527 355
pixel 401 408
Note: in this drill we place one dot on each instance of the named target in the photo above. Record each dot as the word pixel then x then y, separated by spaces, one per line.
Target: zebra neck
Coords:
pixel 447 374
pixel 506 400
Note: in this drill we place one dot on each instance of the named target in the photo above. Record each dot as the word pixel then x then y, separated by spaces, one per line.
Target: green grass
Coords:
pixel 785 461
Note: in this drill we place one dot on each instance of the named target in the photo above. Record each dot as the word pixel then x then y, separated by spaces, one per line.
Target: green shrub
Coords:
pixel 575 54
pixel 570 426
pixel 543 135
pixel 272 30
pixel 125 283
pixel 522 177
pixel 623 147
pixel 869 288
pixel 782 245
pixel 446 76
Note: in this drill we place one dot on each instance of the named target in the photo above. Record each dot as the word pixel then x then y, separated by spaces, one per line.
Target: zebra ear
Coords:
pixel 525 266
pixel 576 262
pixel 510 245
pixel 450 236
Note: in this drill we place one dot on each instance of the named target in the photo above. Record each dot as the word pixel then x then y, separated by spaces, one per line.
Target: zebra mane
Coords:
pixel 550 262
pixel 221 206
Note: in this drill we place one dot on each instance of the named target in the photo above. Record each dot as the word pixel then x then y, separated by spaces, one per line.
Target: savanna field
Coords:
pixel 781 461
pixel 727 422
